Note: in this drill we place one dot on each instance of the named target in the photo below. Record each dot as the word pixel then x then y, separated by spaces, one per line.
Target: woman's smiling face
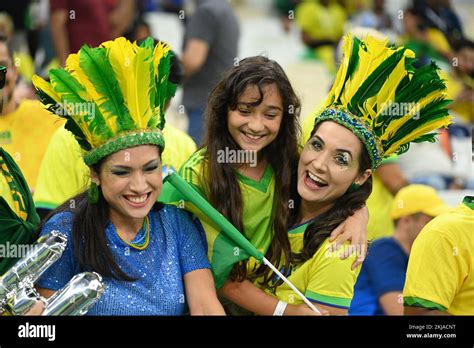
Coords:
pixel 329 164
pixel 131 181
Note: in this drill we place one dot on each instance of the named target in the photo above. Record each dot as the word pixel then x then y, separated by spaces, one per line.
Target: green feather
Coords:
pixel 424 81
pixel 99 71
pixel 162 94
pixel 70 125
pixel 435 110
pixel 353 63
pixel 374 82
pixel 403 148
pixel 78 134
pixel 49 102
pixel 70 90
pixel 431 138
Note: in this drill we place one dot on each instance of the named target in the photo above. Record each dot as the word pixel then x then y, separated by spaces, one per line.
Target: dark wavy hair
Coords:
pixel 281 153
pixel 344 206
pixel 88 233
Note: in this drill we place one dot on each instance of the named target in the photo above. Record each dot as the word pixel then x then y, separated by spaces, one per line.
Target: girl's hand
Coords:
pixel 37 309
pixel 303 309
pixel 354 228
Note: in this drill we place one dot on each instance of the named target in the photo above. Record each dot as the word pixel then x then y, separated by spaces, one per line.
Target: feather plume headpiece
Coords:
pixel 384 100
pixel 112 96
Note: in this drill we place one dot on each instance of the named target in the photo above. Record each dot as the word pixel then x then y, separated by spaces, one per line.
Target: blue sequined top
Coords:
pixel 176 247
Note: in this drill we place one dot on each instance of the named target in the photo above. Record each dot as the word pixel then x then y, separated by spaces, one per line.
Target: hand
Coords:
pixel 37 309
pixel 354 228
pixel 303 309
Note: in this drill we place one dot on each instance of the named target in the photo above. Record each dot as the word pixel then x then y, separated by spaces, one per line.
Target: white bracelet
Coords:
pixel 280 308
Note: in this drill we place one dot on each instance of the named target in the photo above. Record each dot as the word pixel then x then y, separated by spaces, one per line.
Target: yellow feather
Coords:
pixel 45 87
pixel 73 67
pixel 139 92
pixel 387 92
pixel 48 88
pixel 121 53
pixel 160 50
pixel 77 117
pixel 397 124
pixel 368 62
pixel 425 129
pixel 342 71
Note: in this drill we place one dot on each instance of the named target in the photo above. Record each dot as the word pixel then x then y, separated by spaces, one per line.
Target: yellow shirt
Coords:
pixel 320 22
pixel 324 278
pixel 25 134
pixel 64 174
pixel 379 205
pixel 440 272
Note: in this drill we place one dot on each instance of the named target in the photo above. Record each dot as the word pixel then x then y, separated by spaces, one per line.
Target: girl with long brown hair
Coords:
pixel 245 167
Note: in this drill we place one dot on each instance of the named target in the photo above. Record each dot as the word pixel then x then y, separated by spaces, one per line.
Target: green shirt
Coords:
pixel 257 202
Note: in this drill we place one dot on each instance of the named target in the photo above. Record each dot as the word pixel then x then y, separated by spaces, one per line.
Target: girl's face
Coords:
pixel 329 164
pixel 131 181
pixel 254 127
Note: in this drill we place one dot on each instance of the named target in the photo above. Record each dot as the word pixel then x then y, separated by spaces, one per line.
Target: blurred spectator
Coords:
pixel 17 10
pixel 460 82
pixel 284 9
pixel 427 43
pixel 6 26
pixel 379 287
pixel 25 127
pixel 440 15
pixel 122 16
pixel 322 25
pixel 78 22
pixel 440 273
pixel 172 6
pixel 22 60
pixel 142 30
pixel 210 48
pixel 430 164
pixel 388 179
pixel 374 17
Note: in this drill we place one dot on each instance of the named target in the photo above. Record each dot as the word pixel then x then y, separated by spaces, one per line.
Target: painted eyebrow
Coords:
pixel 127 167
pixel 339 150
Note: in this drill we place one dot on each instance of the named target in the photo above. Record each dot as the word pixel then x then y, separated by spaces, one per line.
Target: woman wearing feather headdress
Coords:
pixel 355 130
pixel 151 255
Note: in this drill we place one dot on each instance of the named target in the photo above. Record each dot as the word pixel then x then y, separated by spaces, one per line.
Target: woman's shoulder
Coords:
pixel 60 221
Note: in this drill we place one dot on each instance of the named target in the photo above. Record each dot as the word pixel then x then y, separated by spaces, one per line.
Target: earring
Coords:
pixel 93 193
pixel 353 187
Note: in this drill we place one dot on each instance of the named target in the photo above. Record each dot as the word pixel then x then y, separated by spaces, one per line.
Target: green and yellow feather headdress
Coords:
pixel 112 96
pixel 383 99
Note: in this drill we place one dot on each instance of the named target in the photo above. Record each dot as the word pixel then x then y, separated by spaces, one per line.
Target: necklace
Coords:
pixel 144 244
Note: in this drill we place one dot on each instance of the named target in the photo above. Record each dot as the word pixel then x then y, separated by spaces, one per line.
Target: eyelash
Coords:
pixel 123 173
pixel 247 112
pixel 340 159
pixel 314 143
